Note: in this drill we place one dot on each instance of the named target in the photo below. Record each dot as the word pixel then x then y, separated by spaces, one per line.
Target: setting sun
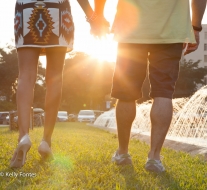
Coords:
pixel 102 49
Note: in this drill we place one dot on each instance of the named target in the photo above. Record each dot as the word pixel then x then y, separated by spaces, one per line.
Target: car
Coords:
pixel 62 116
pixel 37 112
pixel 3 116
pixel 86 116
pixel 7 120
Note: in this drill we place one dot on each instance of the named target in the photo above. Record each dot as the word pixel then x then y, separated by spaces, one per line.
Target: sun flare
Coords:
pixel 104 49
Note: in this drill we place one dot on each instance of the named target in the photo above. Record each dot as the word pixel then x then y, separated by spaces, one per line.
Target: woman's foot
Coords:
pixel 19 157
pixel 45 150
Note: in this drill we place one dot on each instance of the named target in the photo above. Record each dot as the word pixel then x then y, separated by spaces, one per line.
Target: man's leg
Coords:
pixel 161 116
pixel 129 75
pixel 125 114
pixel 163 74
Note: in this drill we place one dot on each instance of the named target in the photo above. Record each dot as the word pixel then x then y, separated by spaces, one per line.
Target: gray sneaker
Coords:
pixel 154 166
pixel 121 159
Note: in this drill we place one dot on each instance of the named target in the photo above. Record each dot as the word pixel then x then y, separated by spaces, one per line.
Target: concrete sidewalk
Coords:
pixel 4 125
pixel 175 145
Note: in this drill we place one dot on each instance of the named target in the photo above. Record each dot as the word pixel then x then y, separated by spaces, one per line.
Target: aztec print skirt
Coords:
pixel 43 24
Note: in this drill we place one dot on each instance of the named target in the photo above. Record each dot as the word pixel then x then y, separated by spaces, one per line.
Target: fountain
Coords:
pixel 189 122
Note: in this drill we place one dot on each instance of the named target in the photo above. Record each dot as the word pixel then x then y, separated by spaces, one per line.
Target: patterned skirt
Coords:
pixel 43 24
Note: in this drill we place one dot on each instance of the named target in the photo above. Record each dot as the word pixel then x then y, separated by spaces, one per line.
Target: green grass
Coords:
pixel 83 162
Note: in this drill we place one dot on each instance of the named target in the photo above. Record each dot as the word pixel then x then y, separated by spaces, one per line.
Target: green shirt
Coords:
pixel 153 22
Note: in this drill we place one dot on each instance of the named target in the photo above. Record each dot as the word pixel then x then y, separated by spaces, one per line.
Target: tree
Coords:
pixel 39 96
pixel 190 76
pixel 9 74
pixel 86 81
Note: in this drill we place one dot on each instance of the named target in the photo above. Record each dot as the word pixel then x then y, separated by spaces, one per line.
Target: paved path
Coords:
pixel 4 125
pixel 175 145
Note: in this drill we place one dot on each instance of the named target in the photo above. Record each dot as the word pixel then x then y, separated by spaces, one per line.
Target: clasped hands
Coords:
pixel 99 26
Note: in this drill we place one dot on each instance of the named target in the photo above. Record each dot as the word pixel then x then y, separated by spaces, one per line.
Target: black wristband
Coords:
pixel 197 28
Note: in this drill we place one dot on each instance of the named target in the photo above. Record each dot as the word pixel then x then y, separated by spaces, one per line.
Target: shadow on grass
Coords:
pixel 144 180
pixel 130 176
pixel 164 180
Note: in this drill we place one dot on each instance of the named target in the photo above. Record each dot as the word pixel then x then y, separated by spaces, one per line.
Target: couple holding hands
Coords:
pixel 151 36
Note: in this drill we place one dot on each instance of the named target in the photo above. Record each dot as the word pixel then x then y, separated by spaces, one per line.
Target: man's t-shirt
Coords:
pixel 153 22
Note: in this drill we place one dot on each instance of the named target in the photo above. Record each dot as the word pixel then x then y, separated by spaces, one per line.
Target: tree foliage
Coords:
pixel 9 74
pixel 86 82
pixel 190 76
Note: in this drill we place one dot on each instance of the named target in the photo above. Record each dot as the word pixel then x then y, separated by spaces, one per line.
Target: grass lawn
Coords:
pixel 83 162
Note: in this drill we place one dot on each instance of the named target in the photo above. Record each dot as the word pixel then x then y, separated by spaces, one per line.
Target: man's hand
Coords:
pixel 192 47
pixel 99 27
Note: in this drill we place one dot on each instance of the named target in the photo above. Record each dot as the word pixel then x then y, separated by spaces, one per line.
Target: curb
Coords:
pixel 175 145
pixel 2 126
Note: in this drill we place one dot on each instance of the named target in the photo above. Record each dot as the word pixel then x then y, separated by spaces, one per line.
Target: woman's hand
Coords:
pixel 99 26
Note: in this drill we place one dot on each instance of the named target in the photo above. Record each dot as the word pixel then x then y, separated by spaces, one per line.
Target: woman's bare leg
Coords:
pixel 54 70
pixel 28 62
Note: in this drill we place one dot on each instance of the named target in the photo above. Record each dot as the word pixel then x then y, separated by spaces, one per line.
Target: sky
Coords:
pixel 103 49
